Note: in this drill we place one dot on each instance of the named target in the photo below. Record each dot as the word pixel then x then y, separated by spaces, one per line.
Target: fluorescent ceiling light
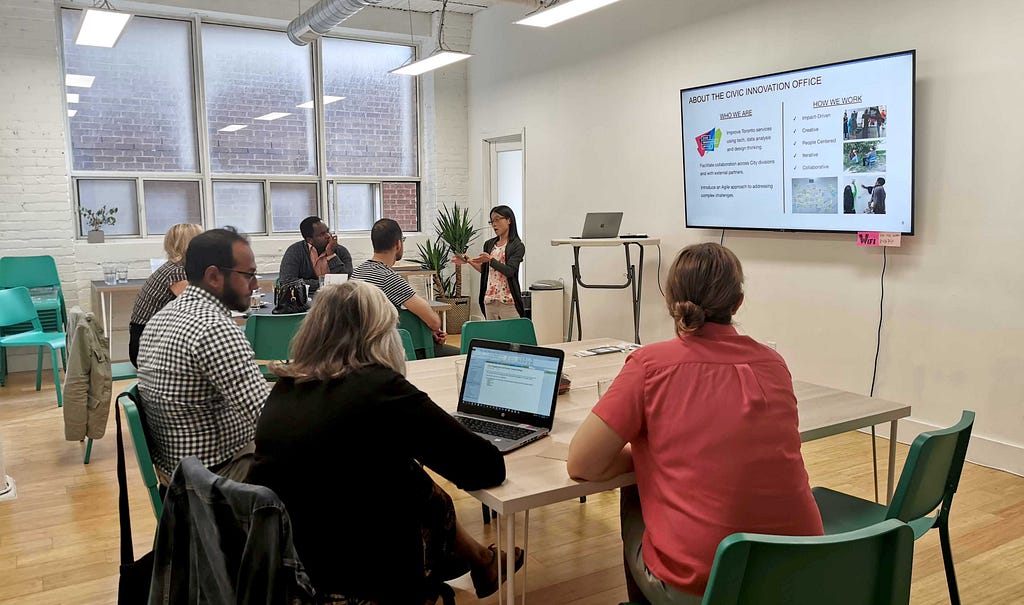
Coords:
pixel 274 115
pixel 328 99
pixel 232 128
pixel 440 59
pixel 80 81
pixel 72 97
pixel 563 11
pixel 101 27
pixel 72 112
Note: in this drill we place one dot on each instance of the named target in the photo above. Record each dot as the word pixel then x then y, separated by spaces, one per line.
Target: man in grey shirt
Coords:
pixel 877 191
pixel 317 254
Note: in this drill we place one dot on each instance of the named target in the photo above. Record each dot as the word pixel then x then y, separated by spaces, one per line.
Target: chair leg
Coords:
pixel 56 378
pixel 64 359
pixel 88 451
pixel 947 562
pixel 39 369
pixel 3 367
pixel 487 514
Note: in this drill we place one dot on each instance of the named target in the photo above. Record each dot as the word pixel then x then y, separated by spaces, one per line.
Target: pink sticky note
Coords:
pixel 867 238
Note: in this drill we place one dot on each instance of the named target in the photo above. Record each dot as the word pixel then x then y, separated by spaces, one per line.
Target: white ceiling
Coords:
pixel 430 6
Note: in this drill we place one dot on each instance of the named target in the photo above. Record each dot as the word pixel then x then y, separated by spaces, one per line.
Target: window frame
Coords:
pixel 326 202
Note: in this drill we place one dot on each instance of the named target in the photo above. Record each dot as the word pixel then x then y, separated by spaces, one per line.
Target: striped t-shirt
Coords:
pixel 392 284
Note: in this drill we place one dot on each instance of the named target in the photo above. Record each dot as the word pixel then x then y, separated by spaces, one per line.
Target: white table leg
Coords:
pixel 110 323
pixel 526 536
pixel 497 541
pixel 892 460
pixel 103 314
pixel 510 558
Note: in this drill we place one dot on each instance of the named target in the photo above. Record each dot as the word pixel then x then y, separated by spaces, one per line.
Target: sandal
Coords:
pixel 486 584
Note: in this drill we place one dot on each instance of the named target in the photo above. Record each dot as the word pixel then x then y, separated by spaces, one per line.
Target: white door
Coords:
pixel 507 177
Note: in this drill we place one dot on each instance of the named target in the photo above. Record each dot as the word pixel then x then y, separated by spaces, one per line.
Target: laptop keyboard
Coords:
pixel 494 429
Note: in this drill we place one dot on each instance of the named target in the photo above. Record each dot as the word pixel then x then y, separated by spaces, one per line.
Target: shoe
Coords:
pixel 485 577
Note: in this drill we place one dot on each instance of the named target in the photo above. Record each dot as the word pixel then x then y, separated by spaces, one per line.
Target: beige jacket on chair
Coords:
pixel 88 385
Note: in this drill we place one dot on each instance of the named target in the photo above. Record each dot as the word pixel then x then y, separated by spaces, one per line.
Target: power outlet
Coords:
pixel 772 344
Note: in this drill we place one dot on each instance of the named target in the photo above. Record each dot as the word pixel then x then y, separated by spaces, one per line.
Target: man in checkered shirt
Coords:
pixel 202 391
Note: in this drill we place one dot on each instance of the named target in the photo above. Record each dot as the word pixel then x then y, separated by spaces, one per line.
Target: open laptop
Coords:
pixel 601 225
pixel 508 392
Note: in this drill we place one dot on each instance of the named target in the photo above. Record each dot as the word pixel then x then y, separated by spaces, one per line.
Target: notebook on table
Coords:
pixel 508 392
pixel 601 225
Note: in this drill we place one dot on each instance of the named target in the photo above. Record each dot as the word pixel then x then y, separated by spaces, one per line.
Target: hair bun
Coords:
pixel 689 316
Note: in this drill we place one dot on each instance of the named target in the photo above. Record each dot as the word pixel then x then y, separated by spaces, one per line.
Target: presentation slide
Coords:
pixel 828 148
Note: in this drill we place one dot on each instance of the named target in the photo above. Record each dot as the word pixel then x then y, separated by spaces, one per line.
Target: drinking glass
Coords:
pixel 122 274
pixel 109 273
pixel 603 385
pixel 460 369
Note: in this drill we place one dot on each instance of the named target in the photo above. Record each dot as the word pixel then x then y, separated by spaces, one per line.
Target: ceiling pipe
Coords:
pixel 322 17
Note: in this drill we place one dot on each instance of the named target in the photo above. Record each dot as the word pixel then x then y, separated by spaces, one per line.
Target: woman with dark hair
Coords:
pixel 709 422
pixel 341 440
pixel 500 297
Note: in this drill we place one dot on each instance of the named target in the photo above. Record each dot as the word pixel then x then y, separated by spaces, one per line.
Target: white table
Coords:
pixel 634 275
pixel 536 475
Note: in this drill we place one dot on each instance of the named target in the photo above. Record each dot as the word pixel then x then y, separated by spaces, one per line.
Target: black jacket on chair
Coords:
pixel 515 251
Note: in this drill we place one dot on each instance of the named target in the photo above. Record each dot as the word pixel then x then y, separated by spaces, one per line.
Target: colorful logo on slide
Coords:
pixel 709 141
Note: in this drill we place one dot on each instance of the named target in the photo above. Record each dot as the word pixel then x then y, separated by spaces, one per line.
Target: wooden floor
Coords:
pixel 59 538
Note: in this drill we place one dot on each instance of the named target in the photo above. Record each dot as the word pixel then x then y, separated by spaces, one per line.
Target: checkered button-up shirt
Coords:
pixel 201 389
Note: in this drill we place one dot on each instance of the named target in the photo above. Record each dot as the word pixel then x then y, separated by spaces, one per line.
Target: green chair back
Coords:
pixel 36 272
pixel 127 401
pixel 932 471
pixel 271 335
pixel 16 308
pixel 519 331
pixel 862 567
pixel 422 337
pixel 410 350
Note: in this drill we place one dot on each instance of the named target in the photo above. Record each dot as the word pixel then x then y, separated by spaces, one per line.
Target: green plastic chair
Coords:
pixel 37 272
pixel 122 370
pixel 869 566
pixel 422 336
pixel 929 479
pixel 128 400
pixel 16 308
pixel 410 350
pixel 271 335
pixel 502 330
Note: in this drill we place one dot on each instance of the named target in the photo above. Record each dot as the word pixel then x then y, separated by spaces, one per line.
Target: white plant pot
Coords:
pixel 96 236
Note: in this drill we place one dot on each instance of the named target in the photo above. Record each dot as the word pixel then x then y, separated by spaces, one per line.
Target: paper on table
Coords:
pixel 155 263
pixel 555 450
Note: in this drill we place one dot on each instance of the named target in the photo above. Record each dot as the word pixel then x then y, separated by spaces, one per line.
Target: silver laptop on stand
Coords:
pixel 508 392
pixel 601 225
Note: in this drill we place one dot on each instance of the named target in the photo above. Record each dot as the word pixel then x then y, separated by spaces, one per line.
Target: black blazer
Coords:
pixel 296 265
pixel 515 251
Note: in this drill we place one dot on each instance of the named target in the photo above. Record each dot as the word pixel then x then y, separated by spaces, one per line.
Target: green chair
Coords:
pixel 122 370
pixel 422 336
pixel 502 330
pixel 16 308
pixel 128 400
pixel 271 335
pixel 37 272
pixel 929 479
pixel 410 350
pixel 869 566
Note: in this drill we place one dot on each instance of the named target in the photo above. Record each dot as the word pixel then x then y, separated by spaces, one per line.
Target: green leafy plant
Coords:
pixel 434 256
pixel 457 231
pixel 99 217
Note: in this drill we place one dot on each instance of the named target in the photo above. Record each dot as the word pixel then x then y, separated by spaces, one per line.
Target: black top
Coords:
pixel 296 264
pixel 515 252
pixel 342 456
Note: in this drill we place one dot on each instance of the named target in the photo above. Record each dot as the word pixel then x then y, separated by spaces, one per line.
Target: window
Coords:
pixel 112 193
pixel 254 81
pixel 169 203
pixel 239 204
pixel 135 142
pixel 371 131
pixel 137 113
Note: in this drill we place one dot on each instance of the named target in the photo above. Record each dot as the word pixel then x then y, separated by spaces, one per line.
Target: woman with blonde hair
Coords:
pixel 341 440
pixel 163 285
pixel 708 420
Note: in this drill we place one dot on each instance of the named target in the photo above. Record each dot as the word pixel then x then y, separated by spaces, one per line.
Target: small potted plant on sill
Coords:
pixel 96 219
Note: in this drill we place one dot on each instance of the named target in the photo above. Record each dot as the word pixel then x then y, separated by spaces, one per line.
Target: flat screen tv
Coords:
pixel 827 148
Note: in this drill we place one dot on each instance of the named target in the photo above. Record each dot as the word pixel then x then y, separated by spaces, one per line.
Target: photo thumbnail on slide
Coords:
pixel 864 156
pixel 816 196
pixel 864 122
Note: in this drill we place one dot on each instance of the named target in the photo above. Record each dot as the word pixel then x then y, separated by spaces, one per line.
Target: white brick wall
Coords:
pixel 35 201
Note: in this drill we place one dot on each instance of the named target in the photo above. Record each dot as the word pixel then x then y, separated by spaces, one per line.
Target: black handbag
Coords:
pixel 133 585
pixel 290 298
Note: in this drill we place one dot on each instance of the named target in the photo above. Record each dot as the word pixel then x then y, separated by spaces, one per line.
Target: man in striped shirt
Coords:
pixel 388 247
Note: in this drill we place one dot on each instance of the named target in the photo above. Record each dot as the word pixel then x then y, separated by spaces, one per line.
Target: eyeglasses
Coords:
pixel 403 239
pixel 251 275
pixel 501 218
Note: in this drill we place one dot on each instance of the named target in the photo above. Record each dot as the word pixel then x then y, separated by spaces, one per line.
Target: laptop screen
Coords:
pixel 500 380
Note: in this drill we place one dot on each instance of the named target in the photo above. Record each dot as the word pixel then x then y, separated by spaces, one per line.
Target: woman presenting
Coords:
pixel 500 297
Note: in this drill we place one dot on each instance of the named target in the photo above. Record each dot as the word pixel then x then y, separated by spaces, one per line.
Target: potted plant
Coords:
pixel 455 232
pixel 96 219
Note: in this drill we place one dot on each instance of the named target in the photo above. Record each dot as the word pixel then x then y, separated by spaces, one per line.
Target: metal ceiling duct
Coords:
pixel 322 17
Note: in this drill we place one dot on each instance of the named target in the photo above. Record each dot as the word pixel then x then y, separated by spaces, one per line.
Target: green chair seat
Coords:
pixel 123 370
pixel 271 335
pixel 16 308
pixel 928 482
pixel 29 339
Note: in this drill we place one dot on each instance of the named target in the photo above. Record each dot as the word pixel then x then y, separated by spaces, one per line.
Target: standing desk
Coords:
pixel 634 276
pixel 536 475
